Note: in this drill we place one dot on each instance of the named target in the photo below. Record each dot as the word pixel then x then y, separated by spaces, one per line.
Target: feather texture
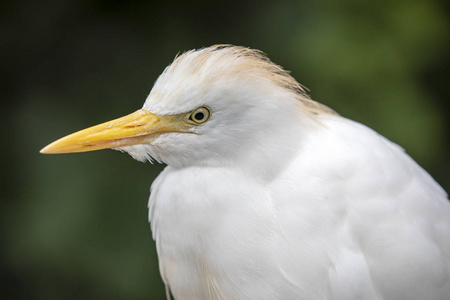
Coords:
pixel 278 197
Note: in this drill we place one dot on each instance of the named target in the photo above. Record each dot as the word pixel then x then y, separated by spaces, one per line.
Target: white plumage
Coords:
pixel 275 196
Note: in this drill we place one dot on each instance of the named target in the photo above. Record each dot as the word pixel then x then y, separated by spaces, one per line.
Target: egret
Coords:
pixel 268 194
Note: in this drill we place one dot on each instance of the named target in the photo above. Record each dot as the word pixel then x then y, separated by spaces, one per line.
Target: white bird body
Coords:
pixel 270 195
pixel 305 234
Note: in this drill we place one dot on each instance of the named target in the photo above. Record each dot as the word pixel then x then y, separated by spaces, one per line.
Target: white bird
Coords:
pixel 268 194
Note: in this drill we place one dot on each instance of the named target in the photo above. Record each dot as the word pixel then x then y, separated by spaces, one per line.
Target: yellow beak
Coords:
pixel 139 127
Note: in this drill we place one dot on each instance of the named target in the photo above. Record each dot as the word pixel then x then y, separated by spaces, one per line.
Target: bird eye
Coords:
pixel 199 115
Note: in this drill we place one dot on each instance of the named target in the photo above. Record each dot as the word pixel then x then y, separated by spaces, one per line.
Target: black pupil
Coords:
pixel 199 116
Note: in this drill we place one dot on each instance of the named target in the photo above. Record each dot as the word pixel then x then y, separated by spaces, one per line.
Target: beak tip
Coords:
pixel 44 150
pixel 50 149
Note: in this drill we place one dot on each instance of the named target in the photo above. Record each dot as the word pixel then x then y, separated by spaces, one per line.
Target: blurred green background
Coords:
pixel 75 226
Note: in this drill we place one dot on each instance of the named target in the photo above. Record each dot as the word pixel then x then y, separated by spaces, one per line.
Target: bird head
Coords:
pixel 219 105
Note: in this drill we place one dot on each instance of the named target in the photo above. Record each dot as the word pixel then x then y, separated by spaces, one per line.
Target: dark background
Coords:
pixel 75 226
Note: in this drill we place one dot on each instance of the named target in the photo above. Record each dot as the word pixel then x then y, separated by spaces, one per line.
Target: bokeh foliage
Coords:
pixel 75 226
